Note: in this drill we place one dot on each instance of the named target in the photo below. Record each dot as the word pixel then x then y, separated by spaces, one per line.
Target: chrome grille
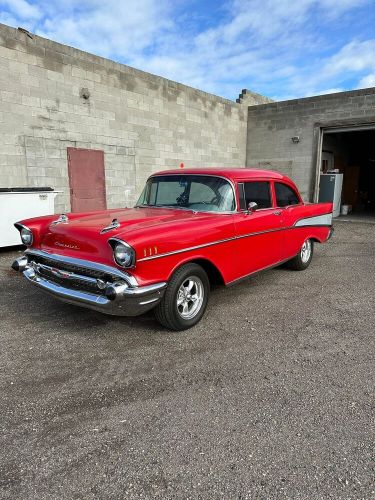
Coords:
pixel 70 275
pixel 67 266
pixel 67 279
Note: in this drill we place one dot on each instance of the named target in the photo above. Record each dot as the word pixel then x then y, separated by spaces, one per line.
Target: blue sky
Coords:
pixel 279 48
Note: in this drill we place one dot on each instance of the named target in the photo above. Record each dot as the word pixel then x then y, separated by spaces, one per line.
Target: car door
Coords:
pixel 258 233
pixel 290 204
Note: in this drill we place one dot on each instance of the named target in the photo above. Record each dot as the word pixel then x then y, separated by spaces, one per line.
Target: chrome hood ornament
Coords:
pixel 63 219
pixel 113 225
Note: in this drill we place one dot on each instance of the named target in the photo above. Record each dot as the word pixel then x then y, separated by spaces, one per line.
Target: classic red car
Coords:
pixel 189 229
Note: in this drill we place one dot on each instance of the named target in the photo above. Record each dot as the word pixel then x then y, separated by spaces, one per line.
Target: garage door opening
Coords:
pixel 352 153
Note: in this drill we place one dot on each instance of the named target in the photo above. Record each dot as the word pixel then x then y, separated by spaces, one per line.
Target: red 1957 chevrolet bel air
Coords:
pixel 190 228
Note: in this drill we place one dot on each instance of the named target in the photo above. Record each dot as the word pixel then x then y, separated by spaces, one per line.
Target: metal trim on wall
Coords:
pixel 349 128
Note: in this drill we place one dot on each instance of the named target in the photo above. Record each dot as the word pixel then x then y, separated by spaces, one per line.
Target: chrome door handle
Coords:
pixel 277 212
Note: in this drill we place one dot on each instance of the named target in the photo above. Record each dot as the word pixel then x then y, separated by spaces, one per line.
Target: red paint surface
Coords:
pixel 171 230
pixel 86 179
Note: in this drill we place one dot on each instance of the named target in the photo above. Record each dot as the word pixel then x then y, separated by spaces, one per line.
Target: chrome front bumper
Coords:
pixel 90 285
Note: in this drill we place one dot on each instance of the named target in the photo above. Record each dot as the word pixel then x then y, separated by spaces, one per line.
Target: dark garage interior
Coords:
pixel 353 153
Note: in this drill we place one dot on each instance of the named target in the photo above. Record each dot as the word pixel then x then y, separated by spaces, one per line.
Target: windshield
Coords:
pixel 192 192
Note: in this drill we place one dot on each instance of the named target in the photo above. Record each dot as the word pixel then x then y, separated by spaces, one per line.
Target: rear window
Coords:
pixel 285 195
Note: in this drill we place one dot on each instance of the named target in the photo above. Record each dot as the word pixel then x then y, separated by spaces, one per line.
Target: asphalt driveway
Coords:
pixel 270 396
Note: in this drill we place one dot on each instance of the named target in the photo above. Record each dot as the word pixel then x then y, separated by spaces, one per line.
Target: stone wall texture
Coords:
pixel 272 126
pixel 143 123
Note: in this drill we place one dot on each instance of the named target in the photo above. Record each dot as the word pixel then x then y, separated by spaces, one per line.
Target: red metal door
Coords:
pixel 86 179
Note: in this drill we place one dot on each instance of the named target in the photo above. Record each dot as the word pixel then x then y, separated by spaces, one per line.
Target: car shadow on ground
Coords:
pixel 71 319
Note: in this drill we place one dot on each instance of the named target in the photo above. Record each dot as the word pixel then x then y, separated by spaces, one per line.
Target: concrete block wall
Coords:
pixel 53 97
pixel 250 98
pixel 272 126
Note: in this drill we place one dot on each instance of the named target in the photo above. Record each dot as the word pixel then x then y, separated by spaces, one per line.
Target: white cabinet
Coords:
pixel 24 203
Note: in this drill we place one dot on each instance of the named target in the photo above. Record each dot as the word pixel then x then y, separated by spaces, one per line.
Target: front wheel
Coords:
pixel 304 257
pixel 185 299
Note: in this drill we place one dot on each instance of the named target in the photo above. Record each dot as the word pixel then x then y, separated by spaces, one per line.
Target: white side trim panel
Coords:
pixel 319 220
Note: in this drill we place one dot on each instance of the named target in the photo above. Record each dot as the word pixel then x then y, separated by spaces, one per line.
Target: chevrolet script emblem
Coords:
pixel 66 245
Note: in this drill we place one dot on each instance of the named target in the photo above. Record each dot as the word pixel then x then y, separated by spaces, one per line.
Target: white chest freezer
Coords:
pixel 22 203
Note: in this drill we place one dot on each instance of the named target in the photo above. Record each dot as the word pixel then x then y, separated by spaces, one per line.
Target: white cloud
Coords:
pixel 355 56
pixel 263 42
pixel 270 46
pixel 332 90
pixel 22 9
pixel 367 81
pixel 111 28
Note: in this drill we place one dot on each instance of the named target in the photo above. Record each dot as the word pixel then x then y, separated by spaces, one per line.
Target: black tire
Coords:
pixel 299 263
pixel 169 313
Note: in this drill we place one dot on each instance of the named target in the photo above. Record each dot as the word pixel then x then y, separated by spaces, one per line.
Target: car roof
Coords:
pixel 229 173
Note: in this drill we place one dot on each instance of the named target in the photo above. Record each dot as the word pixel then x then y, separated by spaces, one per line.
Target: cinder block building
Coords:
pixel 95 129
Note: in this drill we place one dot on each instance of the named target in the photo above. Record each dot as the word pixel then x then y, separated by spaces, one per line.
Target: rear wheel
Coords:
pixel 185 298
pixel 303 259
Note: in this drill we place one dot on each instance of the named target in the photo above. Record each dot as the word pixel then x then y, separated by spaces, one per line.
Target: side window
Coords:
pixel 258 192
pixel 285 195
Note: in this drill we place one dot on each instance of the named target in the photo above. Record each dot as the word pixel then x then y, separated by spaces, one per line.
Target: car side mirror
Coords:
pixel 252 207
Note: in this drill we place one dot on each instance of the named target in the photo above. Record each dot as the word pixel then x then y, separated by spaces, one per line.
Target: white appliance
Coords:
pixel 22 203
pixel 330 188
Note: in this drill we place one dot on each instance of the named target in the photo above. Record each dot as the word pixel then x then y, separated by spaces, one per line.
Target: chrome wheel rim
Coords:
pixel 190 297
pixel 306 251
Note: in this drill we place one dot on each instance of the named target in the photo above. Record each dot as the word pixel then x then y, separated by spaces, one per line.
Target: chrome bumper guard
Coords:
pixel 88 284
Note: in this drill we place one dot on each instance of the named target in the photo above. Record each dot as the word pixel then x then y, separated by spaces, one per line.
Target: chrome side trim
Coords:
pixel 317 220
pixel 86 263
pixel 266 268
pixel 261 232
pixel 218 242
pixel 196 247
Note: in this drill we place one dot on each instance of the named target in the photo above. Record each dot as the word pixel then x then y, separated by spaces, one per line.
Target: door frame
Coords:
pixel 331 127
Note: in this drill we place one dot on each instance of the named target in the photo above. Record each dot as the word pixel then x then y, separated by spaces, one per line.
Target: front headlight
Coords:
pixel 123 254
pixel 26 236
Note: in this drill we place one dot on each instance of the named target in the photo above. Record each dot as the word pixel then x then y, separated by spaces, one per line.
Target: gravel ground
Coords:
pixel 270 396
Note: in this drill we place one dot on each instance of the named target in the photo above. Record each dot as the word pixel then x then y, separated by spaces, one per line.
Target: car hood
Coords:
pixel 85 233
pixel 129 219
